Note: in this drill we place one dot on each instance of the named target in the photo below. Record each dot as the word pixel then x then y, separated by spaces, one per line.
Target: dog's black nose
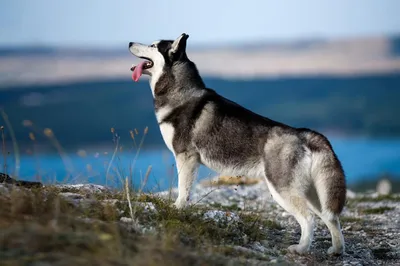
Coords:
pixel 130 44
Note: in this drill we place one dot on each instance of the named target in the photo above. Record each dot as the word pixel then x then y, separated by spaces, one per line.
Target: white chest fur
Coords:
pixel 167 132
pixel 162 113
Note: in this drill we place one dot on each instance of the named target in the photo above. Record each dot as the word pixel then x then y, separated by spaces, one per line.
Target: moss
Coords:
pixel 191 227
pixel 390 197
pixel 284 251
pixel 379 210
pixel 117 195
pixel 232 207
pixel 272 225
pixel 257 219
pixel 348 219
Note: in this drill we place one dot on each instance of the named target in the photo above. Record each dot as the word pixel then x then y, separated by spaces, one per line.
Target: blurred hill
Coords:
pixel 82 113
pixel 358 56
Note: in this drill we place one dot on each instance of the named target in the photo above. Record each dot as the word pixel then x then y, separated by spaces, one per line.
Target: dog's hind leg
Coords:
pixel 287 173
pixel 333 224
pixel 187 165
pixel 297 206
pixel 330 186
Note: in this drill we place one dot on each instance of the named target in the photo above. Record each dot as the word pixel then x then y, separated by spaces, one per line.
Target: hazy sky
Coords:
pixel 114 23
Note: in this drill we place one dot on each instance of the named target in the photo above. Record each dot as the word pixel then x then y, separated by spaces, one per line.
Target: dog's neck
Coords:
pixel 178 85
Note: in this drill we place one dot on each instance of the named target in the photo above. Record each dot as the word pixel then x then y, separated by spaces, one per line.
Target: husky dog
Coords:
pixel 199 126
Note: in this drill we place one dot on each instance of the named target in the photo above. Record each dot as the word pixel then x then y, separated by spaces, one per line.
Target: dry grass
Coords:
pixel 231 180
pixel 40 226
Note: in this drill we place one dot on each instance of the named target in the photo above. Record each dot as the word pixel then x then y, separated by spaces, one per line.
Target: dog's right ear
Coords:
pixel 179 45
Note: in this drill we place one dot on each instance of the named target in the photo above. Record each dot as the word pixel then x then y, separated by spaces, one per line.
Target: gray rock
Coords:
pixel 384 187
pixel 88 188
pixel 221 216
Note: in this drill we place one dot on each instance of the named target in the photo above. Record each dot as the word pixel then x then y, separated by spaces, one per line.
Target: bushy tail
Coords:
pixel 327 173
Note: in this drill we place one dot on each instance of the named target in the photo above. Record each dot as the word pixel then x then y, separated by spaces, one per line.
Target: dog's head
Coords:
pixel 158 56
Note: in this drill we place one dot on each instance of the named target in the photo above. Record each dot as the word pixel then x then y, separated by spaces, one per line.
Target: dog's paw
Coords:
pixel 298 249
pixel 180 204
pixel 335 251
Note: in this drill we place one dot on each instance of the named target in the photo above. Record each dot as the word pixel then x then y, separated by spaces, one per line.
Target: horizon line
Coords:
pixel 202 45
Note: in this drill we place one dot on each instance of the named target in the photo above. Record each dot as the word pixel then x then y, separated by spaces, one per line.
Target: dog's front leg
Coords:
pixel 187 166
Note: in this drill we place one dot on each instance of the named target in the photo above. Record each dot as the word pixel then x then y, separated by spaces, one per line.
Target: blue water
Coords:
pixel 361 158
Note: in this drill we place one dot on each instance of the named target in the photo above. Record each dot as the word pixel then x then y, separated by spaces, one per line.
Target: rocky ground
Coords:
pixel 226 225
pixel 370 224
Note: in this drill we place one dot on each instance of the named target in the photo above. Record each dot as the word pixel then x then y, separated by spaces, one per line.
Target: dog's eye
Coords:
pixel 153 46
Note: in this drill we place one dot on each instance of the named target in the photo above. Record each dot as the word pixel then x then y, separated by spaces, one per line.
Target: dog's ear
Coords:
pixel 179 45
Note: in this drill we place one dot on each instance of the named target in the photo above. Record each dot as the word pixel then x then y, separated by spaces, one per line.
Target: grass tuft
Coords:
pixel 347 219
pixel 379 210
pixel 390 197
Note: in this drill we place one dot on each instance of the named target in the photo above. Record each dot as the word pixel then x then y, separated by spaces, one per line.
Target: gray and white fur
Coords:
pixel 199 126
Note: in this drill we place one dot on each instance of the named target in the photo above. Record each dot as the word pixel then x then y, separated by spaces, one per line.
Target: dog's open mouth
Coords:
pixel 137 71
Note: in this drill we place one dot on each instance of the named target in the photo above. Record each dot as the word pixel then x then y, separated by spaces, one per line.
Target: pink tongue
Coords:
pixel 137 72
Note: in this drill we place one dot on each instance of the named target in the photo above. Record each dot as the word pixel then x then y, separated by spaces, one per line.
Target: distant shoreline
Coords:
pixel 127 78
pixel 347 57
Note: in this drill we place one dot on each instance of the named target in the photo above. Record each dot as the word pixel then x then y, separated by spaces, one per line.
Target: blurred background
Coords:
pixel 71 112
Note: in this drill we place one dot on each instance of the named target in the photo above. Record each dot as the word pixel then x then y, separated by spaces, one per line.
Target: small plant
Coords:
pixel 3 148
pixel 348 219
pixel 232 207
pixel 379 210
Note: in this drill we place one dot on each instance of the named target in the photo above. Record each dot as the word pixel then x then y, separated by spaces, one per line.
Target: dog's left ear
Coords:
pixel 179 45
